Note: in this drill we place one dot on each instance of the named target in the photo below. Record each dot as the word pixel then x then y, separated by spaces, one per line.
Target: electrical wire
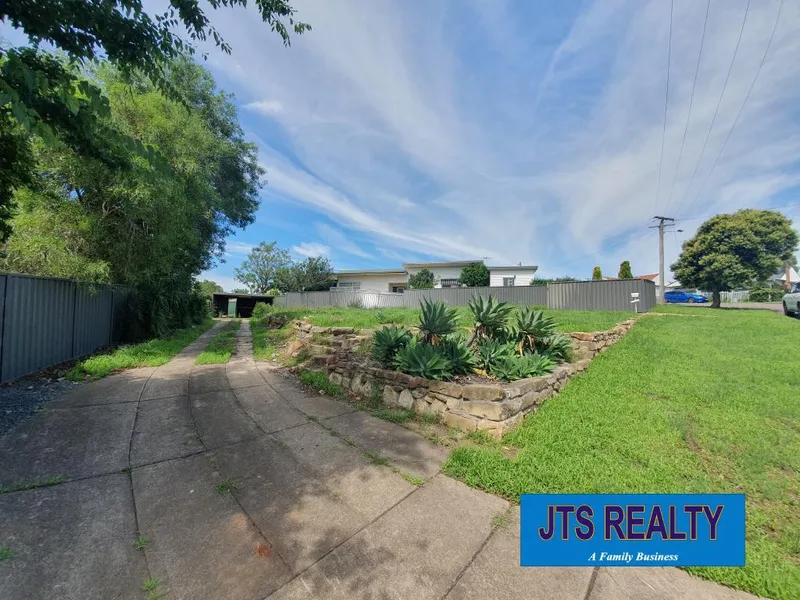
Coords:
pixel 666 103
pixel 741 108
pixel 708 216
pixel 614 247
pixel 716 110
pixel 691 102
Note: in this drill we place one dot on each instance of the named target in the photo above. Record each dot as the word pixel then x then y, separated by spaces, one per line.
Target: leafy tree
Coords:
pixel 47 96
pixel 625 270
pixel 208 288
pixel 313 274
pixel 597 274
pixel 474 275
pixel 262 266
pixel 734 250
pixel 423 280
pixel 241 291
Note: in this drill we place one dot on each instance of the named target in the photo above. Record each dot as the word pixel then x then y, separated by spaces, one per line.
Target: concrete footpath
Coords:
pixel 240 486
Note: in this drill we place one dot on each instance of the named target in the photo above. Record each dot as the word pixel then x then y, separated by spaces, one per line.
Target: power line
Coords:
pixel 609 249
pixel 741 108
pixel 691 102
pixel 714 214
pixel 716 110
pixel 666 102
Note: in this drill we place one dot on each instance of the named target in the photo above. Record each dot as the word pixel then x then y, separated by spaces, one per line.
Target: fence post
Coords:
pixel 74 313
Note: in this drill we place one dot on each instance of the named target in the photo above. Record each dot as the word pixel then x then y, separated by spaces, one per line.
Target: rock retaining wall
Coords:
pixel 494 408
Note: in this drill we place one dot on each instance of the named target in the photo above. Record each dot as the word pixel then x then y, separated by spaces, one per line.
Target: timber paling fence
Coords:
pixel 46 321
pixel 579 295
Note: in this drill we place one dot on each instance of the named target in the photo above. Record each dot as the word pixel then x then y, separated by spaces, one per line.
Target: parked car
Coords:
pixel 682 296
pixel 791 301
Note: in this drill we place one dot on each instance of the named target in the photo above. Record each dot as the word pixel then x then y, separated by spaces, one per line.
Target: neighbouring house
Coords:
pixel 670 285
pixel 779 278
pixel 446 274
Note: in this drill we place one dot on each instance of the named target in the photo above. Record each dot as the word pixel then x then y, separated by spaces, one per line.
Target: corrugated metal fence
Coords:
pixel 584 295
pixel 44 322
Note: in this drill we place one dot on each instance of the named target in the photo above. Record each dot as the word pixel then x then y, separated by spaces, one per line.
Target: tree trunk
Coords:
pixel 715 298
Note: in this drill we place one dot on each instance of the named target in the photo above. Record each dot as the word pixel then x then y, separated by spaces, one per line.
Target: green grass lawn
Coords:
pixel 152 353
pixel 219 349
pixel 367 318
pixel 267 342
pixel 698 400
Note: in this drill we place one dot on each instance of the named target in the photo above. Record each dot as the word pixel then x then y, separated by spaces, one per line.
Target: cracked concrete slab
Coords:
pixel 219 419
pixel 315 405
pixel 495 573
pixel 369 489
pixel 208 378
pixel 270 412
pixel 202 545
pixel 72 442
pixel 413 552
pixel 296 510
pixel 164 430
pixel 406 450
pixel 122 387
pixel 242 373
pixel 667 583
pixel 72 541
pixel 163 385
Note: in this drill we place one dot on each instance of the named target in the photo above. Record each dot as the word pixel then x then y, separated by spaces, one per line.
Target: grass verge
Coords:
pixel 152 353
pixel 705 401
pixel 267 342
pixel 218 351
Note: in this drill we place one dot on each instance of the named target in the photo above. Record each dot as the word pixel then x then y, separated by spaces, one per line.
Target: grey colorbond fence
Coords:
pixel 583 295
pixel 44 322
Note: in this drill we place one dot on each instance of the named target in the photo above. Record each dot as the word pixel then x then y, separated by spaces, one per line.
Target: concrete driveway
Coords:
pixel 246 488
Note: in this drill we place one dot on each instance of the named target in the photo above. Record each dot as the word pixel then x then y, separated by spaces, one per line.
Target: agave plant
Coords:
pixel 492 352
pixel 521 367
pixel 387 341
pixel 558 347
pixel 461 358
pixel 436 321
pixel 531 327
pixel 422 360
pixel 490 316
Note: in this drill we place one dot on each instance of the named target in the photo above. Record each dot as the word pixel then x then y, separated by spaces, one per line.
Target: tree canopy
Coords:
pixel 625 270
pixel 313 274
pixel 423 280
pixel 474 275
pixel 262 266
pixel 597 274
pixel 732 250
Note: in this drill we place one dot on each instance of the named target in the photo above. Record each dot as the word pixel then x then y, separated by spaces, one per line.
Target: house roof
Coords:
pixel 781 275
pixel 371 272
pixel 515 268
pixel 457 263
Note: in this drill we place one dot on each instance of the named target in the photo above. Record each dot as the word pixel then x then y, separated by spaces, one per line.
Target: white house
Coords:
pixel 446 274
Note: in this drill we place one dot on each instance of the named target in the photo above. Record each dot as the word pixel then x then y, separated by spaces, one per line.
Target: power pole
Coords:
pixel 662 224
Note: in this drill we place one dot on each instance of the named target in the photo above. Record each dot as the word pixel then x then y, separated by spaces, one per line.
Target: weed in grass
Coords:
pixel 141 542
pixel 225 486
pixel 151 587
pixel 482 438
pixel 319 380
pixel 219 349
pixel 434 437
pixel 501 521
pixel 393 415
pixel 6 553
pixel 152 353
pixel 427 419
pixel 377 459
pixel 413 479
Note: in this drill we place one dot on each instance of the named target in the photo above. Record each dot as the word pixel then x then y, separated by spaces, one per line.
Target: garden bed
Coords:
pixel 470 403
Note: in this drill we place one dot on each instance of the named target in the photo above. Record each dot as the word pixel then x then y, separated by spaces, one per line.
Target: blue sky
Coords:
pixel 522 131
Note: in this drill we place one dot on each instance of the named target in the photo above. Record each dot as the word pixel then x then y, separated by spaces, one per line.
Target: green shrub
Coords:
pixel 159 312
pixel 422 360
pixel 522 367
pixel 436 321
pixel 766 295
pixel 492 352
pixel 424 280
pixel 261 310
pixel 474 275
pixel 455 350
pixel 491 317
pixel 387 341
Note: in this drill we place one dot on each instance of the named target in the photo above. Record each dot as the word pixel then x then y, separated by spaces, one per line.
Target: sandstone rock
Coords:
pixel 316 329
pixel 532 398
pixel 390 397
pixel 523 386
pixel 406 400
pixel 454 404
pixel 421 407
pixel 482 393
pixel 447 388
pixel 419 392
pixel 416 382
pixel 437 407
pixel 463 422
pixel 496 411
pixel 335 378
pixel 341 330
pixel 582 336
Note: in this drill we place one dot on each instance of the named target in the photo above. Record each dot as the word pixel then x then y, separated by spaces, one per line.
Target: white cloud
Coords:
pixel 234 248
pixel 311 249
pixel 532 136
pixel 265 107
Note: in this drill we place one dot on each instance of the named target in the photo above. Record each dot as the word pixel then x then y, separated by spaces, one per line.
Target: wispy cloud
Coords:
pixel 311 249
pixel 532 136
pixel 234 248
pixel 265 107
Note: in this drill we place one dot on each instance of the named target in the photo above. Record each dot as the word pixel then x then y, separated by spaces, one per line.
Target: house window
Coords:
pixel 508 281
pixel 353 285
pixel 446 283
pixel 398 289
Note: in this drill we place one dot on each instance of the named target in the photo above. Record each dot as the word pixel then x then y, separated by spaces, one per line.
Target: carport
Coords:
pixel 237 305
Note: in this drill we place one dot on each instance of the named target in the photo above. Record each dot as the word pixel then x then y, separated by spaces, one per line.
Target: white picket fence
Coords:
pixel 735 296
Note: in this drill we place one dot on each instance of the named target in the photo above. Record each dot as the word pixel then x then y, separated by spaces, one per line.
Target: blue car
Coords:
pixel 681 296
